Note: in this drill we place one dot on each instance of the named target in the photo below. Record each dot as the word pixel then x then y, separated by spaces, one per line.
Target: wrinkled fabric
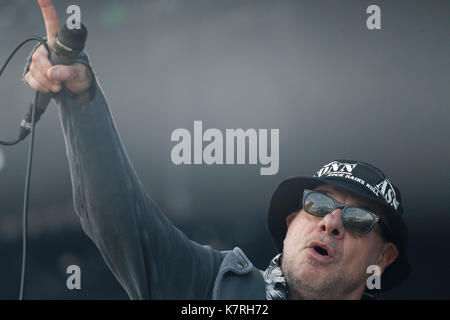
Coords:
pixel 149 256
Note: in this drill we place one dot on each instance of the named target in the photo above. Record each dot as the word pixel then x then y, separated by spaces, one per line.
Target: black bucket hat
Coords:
pixel 360 178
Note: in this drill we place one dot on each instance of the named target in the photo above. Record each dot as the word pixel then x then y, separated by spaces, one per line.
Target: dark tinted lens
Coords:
pixel 358 220
pixel 318 204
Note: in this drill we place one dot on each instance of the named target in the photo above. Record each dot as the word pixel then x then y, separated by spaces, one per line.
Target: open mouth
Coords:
pixel 321 251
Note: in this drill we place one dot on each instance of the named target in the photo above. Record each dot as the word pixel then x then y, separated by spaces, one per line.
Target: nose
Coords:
pixel 332 224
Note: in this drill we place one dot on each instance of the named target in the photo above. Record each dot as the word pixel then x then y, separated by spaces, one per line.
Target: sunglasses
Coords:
pixel 356 219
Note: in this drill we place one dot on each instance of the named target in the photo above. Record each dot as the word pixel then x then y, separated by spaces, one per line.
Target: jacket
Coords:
pixel 147 254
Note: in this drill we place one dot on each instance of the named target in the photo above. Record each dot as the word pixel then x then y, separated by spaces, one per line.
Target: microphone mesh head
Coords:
pixel 74 39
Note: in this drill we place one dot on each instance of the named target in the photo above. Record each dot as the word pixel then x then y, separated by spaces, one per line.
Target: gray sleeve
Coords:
pixel 148 255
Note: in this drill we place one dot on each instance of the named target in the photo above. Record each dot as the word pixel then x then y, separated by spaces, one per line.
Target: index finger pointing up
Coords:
pixel 50 19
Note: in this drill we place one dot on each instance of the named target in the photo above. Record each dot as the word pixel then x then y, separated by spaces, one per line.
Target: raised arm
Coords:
pixel 147 254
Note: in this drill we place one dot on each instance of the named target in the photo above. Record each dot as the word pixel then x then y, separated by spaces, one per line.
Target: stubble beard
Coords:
pixel 336 285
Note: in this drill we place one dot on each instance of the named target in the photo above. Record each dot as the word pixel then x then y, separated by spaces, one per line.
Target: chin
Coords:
pixel 307 269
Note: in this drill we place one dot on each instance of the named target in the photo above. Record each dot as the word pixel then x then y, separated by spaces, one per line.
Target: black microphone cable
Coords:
pixel 22 135
pixel 33 38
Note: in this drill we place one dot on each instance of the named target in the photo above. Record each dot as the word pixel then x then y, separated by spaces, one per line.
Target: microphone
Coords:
pixel 68 45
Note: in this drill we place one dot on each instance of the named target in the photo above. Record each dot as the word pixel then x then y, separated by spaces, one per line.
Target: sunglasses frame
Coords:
pixel 343 207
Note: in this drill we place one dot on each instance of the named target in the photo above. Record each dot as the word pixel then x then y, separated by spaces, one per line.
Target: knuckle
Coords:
pixel 36 85
pixel 33 84
pixel 42 50
pixel 36 56
pixel 32 68
pixel 27 78
pixel 35 73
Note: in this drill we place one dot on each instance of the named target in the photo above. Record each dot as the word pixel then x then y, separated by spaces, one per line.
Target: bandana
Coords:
pixel 276 288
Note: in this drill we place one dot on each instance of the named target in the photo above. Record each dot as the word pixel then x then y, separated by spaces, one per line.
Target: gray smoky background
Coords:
pixel 311 69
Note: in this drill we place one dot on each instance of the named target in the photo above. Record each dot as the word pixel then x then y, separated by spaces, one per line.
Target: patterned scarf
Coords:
pixel 276 288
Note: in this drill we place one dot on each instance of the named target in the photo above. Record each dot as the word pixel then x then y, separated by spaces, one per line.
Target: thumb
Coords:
pixel 62 73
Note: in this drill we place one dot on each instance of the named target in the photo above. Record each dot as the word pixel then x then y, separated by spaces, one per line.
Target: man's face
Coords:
pixel 341 273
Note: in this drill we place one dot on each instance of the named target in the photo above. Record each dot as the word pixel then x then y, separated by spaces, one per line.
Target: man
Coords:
pixel 330 228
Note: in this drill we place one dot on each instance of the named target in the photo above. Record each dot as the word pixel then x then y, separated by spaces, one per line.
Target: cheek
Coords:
pixel 298 231
pixel 359 254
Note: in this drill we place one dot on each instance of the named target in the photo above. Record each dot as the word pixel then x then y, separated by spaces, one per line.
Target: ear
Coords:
pixel 290 218
pixel 388 255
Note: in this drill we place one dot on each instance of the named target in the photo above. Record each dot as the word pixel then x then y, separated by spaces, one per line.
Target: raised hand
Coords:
pixel 43 76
